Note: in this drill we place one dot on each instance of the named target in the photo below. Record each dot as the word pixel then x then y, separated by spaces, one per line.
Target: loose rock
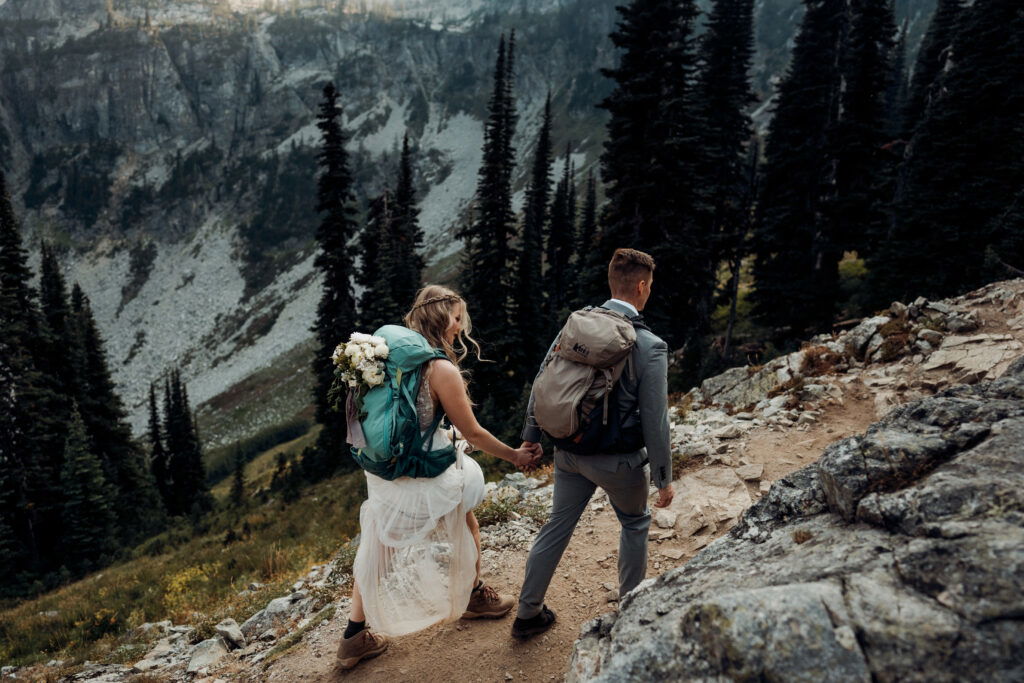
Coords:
pixel 206 653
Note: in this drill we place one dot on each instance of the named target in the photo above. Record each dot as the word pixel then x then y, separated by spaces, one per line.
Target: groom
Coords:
pixel 623 476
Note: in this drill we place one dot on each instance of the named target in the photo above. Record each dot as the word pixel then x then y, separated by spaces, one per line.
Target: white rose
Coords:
pixel 356 356
pixel 377 340
pixel 380 350
pixel 359 337
pixel 372 376
pixel 353 383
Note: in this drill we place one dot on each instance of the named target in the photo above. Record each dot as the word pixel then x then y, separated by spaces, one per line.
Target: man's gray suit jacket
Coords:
pixel 643 396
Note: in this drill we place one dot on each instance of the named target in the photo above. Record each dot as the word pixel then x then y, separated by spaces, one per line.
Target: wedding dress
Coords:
pixel 416 562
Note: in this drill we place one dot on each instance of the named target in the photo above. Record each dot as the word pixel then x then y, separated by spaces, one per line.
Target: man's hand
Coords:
pixel 536 449
pixel 665 496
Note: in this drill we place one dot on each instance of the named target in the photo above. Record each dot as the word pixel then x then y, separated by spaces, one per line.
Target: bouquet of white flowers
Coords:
pixel 360 360
pixel 358 367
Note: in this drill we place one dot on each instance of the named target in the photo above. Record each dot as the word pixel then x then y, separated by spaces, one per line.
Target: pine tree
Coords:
pixel 737 249
pixel 592 279
pixel 14 270
pixel 55 391
pixel 88 516
pixel 14 276
pixel 964 167
pixel 336 312
pixel 176 430
pixel 12 549
pixel 561 242
pixel 57 350
pixel 488 256
pixel 528 300
pixel 390 244
pixel 863 168
pixel 138 505
pixel 651 162
pixel 796 274
pixel 158 464
pixel 238 480
pixel 931 60
pixel 408 235
pixel 896 97
pixel 726 55
pixel 379 262
pixel 56 310
pixel 190 491
pixel 30 444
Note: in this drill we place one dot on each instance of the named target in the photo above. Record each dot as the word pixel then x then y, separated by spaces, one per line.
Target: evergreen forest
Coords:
pixel 876 179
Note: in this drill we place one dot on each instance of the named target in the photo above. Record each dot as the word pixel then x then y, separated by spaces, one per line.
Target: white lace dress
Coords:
pixel 416 561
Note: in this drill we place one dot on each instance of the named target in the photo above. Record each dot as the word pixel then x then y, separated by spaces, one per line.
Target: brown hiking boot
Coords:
pixel 484 602
pixel 363 645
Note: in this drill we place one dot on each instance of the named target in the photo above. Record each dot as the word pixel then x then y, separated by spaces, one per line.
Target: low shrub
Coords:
pixel 506 504
pixel 819 360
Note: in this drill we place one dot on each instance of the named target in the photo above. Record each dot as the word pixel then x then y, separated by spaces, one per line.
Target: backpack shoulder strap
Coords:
pixel 638 322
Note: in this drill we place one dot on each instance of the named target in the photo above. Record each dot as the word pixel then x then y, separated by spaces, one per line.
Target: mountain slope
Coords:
pixel 168 150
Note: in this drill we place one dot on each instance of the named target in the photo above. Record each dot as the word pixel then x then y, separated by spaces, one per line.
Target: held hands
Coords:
pixel 528 455
pixel 665 496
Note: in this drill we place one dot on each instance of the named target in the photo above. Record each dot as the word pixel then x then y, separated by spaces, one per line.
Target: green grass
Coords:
pixel 260 470
pixel 187 577
pixel 272 397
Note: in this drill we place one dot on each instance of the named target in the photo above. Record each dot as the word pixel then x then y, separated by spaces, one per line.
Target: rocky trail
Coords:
pixel 584 586
pixel 735 436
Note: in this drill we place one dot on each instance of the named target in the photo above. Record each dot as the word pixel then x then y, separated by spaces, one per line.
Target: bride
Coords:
pixel 418 561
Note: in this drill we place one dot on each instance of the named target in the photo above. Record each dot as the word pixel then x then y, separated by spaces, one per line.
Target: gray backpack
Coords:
pixel 574 387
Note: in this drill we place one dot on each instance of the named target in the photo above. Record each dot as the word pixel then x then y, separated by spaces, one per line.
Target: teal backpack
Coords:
pixel 394 446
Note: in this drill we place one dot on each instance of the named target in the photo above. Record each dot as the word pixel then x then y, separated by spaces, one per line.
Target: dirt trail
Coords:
pixel 483 650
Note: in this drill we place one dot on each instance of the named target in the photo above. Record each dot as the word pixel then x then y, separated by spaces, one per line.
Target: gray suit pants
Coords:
pixel 576 477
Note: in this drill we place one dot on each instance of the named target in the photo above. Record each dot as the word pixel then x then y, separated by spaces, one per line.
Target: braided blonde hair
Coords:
pixel 430 316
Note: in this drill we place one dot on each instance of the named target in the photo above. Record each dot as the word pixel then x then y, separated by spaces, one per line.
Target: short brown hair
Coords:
pixel 627 268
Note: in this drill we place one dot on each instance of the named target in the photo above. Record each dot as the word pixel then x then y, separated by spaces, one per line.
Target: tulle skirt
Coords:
pixel 416 562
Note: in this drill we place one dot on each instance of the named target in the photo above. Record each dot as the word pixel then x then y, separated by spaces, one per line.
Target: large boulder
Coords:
pixel 859 338
pixel 898 556
pixel 229 630
pixel 206 654
pixel 746 386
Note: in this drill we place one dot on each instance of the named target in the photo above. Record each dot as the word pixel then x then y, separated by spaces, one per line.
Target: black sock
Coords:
pixel 354 627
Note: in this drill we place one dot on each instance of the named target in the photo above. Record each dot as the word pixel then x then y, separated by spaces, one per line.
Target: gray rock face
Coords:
pixel 898 556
